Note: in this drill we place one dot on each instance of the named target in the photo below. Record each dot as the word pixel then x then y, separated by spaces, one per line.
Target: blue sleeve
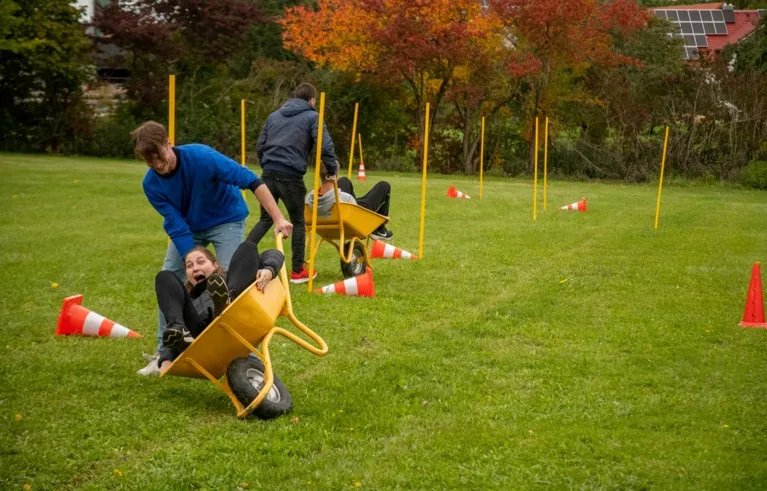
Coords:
pixel 328 152
pixel 175 225
pixel 230 172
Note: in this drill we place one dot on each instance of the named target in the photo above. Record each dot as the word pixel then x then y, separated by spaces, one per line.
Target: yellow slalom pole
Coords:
pixel 354 132
pixel 545 159
pixel 660 181
pixel 172 109
pixel 535 178
pixel 481 156
pixel 359 139
pixel 316 188
pixel 423 180
pixel 242 137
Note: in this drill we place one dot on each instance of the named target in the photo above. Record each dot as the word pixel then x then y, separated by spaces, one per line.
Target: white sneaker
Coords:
pixel 152 368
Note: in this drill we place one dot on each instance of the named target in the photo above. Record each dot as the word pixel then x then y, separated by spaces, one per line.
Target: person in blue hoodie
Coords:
pixel 284 145
pixel 197 191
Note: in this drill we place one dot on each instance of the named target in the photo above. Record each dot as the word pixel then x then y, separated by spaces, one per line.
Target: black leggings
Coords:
pixel 377 199
pixel 175 301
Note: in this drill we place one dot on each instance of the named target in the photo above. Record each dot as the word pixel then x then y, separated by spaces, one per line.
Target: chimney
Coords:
pixel 728 10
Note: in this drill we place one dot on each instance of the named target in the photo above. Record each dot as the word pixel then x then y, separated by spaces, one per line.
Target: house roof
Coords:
pixel 746 22
pixel 741 24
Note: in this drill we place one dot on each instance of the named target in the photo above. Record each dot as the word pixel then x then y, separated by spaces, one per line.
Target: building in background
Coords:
pixel 707 28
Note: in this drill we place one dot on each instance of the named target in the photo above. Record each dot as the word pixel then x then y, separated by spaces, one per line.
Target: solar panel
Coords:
pixel 701 42
pixel 718 15
pixel 692 27
pixel 684 15
pixel 762 13
pixel 694 15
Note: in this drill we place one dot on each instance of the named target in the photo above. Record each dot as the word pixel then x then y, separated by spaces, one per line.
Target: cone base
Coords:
pixel 753 324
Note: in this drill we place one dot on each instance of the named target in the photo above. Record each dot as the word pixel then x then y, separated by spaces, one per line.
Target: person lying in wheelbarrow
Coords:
pixel 189 309
pixel 377 199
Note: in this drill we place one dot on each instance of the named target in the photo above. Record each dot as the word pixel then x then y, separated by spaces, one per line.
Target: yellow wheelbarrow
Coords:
pixel 347 228
pixel 223 350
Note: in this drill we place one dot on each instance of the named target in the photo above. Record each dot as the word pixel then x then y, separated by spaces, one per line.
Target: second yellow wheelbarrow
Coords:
pixel 347 228
pixel 226 352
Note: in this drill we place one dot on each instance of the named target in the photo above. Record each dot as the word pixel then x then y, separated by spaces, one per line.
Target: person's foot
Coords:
pixel 302 276
pixel 176 336
pixel 382 234
pixel 152 368
pixel 219 293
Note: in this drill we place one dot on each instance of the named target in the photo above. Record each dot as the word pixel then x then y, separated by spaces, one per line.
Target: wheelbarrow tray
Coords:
pixel 250 316
pixel 357 222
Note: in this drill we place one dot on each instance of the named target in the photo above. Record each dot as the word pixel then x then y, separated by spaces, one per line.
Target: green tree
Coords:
pixel 44 55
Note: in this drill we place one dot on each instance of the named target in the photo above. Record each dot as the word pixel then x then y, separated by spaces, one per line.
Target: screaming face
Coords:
pixel 198 267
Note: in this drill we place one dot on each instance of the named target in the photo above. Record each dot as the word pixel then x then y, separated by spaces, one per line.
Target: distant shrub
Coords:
pixel 755 175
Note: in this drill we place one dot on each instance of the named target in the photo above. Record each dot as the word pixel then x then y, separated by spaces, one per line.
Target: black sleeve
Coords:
pixel 255 184
pixel 272 259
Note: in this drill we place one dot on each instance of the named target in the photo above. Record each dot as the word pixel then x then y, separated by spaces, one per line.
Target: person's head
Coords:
pixel 151 144
pixel 306 92
pixel 200 263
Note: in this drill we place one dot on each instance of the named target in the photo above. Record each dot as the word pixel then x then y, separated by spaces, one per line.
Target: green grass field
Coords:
pixel 583 350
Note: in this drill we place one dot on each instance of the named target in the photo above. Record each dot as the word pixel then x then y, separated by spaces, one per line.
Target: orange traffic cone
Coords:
pixel 361 172
pixel 454 193
pixel 381 249
pixel 753 315
pixel 75 319
pixel 361 286
pixel 578 206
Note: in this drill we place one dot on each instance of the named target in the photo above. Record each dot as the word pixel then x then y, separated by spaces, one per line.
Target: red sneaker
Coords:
pixel 301 277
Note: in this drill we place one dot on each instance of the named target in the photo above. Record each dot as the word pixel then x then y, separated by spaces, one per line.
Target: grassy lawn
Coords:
pixel 583 350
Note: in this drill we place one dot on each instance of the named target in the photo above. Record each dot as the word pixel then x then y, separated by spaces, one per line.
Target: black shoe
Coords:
pixel 382 234
pixel 176 336
pixel 219 293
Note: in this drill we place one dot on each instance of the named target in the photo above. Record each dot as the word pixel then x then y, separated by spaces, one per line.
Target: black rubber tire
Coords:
pixel 357 265
pixel 239 375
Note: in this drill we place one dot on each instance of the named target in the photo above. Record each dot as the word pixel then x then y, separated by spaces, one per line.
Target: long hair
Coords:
pixel 212 258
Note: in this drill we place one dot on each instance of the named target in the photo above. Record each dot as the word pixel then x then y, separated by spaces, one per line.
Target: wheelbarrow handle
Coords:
pixel 323 347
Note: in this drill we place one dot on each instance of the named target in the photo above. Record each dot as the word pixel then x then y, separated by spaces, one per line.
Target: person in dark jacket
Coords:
pixel 284 145
pixel 189 309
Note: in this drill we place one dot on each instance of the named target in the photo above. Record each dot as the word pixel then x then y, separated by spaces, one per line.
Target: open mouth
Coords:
pixel 199 277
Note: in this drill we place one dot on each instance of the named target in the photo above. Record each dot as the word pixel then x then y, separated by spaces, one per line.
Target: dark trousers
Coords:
pixel 176 303
pixel 292 191
pixel 377 199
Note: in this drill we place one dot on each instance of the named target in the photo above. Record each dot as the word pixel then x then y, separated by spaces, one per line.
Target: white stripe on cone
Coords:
pixel 92 324
pixel 350 286
pixel 119 331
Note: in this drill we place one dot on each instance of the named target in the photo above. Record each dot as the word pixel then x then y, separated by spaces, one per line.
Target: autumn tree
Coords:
pixel 188 37
pixel 555 43
pixel 420 43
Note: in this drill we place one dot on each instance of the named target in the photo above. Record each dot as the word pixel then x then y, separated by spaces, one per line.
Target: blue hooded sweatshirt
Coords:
pixel 201 193
pixel 288 136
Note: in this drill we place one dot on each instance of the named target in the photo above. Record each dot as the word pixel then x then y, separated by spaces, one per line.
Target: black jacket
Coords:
pixel 288 137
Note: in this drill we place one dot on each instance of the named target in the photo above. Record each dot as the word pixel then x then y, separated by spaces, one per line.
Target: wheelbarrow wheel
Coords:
pixel 246 379
pixel 357 265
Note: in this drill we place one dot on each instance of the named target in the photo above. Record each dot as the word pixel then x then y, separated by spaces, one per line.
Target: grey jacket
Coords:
pixel 288 137
pixel 326 201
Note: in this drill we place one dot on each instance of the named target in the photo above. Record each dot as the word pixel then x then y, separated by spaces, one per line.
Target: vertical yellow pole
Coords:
pixel 545 159
pixel 354 132
pixel 423 180
pixel 172 109
pixel 481 156
pixel 660 181
pixel 535 174
pixel 362 161
pixel 316 188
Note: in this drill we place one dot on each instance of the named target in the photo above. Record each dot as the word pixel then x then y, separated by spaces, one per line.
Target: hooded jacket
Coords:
pixel 288 136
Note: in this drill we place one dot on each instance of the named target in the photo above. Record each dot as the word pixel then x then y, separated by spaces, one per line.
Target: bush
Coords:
pixel 755 175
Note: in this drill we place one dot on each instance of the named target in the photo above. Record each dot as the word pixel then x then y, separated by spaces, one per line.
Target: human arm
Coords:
pixel 261 143
pixel 328 152
pixel 271 263
pixel 281 225
pixel 174 224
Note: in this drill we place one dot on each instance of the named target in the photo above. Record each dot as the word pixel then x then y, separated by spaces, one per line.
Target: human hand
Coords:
pixel 263 277
pixel 283 226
